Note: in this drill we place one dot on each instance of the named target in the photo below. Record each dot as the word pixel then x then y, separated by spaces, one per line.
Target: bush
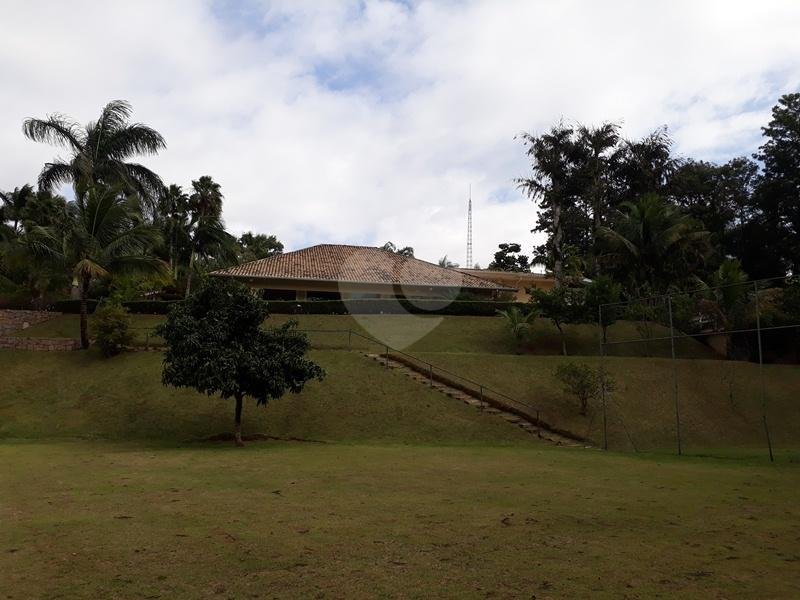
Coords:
pixel 583 382
pixel 111 328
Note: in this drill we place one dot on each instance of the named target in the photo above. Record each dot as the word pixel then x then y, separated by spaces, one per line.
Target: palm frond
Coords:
pixel 55 174
pixel 57 130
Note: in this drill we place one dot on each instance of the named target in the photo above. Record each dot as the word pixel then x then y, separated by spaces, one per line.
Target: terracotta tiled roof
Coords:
pixel 356 264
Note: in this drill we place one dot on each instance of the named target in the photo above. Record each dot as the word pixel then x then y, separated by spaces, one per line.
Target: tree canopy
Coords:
pixel 216 345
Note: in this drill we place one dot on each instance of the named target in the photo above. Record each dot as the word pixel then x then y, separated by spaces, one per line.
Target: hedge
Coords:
pixel 378 306
pixel 141 307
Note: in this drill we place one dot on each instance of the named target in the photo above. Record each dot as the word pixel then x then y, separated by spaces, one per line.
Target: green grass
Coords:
pixel 719 401
pixel 93 520
pixel 79 394
pixel 416 333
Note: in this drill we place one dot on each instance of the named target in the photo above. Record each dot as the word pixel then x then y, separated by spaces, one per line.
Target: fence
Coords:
pixel 715 382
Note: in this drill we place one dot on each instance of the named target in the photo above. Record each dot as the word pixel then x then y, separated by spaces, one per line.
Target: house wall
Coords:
pixel 304 288
pixel 522 282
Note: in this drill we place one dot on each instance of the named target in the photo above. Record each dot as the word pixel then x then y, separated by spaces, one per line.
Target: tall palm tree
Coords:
pixel 653 244
pixel 208 237
pixel 99 151
pixel 599 145
pixel 172 217
pixel 103 233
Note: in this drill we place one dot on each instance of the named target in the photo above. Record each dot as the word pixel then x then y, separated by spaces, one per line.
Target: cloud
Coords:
pixel 366 122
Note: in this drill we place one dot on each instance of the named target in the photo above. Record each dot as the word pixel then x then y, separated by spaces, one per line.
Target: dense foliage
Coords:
pixel 216 345
pixel 111 327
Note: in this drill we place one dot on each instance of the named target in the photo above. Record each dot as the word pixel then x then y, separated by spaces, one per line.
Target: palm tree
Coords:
pixel 14 203
pixel 446 263
pixel 208 237
pixel 172 216
pixel 99 151
pixel 653 244
pixel 518 323
pixel 103 233
pixel 599 145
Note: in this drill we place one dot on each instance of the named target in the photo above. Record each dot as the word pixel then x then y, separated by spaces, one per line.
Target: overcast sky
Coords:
pixel 362 122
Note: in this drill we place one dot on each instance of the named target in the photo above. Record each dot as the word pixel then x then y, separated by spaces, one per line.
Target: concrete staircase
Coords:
pixel 474 400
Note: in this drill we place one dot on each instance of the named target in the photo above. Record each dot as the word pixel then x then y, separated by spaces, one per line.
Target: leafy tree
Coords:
pixel 552 185
pixel 719 196
pixel 404 251
pixel 778 192
pixel 257 246
pixel 583 382
pixel 603 290
pixel 509 258
pixel 562 306
pixel 99 151
pixel 653 245
pixel 111 325
pixel 215 345
pixel 103 233
pixel 517 322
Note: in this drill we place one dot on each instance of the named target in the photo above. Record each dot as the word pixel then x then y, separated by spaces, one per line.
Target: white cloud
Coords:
pixel 341 122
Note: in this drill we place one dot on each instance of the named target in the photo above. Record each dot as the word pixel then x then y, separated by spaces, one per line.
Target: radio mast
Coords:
pixel 469 230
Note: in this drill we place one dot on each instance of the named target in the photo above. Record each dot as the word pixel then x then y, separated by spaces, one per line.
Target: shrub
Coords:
pixel 583 382
pixel 111 327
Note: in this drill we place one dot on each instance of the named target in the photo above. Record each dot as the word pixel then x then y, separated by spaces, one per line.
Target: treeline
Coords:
pixel 633 211
pixel 125 234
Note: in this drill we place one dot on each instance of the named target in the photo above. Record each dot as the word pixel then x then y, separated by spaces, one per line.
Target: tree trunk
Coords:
pixel 558 235
pixel 238 421
pixel 563 339
pixel 84 289
pixel 189 275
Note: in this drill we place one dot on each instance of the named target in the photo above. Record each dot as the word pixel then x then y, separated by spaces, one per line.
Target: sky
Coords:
pixel 367 121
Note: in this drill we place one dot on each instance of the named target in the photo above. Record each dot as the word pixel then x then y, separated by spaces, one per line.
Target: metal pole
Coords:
pixel 481 396
pixel 674 376
pixel 430 374
pixel 761 375
pixel 602 377
pixel 387 357
pixel 350 339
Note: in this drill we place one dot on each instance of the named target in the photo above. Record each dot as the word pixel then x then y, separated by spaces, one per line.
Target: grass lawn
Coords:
pixel 79 394
pixel 719 401
pixel 93 520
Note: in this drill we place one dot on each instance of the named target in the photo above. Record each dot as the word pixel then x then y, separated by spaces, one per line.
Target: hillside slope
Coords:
pixel 719 401
pixel 79 394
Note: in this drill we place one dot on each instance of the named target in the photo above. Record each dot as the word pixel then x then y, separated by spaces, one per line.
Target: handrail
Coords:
pixel 431 366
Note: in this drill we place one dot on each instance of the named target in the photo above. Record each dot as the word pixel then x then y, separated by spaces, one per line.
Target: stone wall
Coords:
pixel 16 320
pixel 40 344
pixel 13 320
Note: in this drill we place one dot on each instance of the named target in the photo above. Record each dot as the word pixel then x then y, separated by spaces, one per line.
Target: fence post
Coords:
pixel 387 356
pixel 481 397
pixel 349 339
pixel 674 375
pixel 430 374
pixel 761 374
pixel 602 376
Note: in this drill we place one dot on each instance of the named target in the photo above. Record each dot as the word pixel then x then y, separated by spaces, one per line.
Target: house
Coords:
pixel 521 282
pixel 334 271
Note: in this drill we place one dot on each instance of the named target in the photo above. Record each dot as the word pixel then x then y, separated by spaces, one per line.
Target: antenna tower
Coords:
pixel 469 230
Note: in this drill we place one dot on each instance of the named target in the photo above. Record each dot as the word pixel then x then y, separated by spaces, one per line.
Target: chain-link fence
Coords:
pixel 715 371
